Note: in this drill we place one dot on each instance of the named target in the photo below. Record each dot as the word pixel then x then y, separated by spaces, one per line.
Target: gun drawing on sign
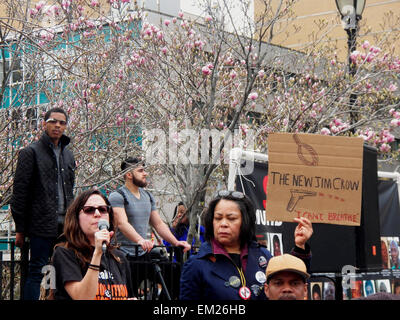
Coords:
pixel 297 195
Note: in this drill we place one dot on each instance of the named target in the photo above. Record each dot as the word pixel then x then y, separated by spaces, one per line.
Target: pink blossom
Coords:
pixel 73 27
pixel 119 120
pixel 90 24
pixel 244 129
pixel 395 123
pixel 87 34
pixel 392 87
pixel 253 96
pixel 40 5
pixel 160 35
pixel 375 49
pixel 167 22
pixel 66 4
pixel 369 135
pixel 337 122
pixel 387 136
pixel 370 57
pixel 333 62
pixel 354 55
pixel 229 61
pixel 46 35
pixel 199 44
pixel 180 14
pixel 94 3
pixel 233 74
pixel 365 44
pixel 208 18
pixel 334 129
pixel 206 71
pixel 33 12
pixel 325 131
pixel 261 73
pixel 148 32
pixel 164 50
pixel 385 148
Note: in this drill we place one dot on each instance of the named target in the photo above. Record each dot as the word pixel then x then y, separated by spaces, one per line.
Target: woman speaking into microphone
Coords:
pixel 83 270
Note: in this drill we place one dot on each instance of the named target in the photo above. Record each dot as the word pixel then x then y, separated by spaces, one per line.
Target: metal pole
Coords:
pixel 352 68
pixel 12 273
pixel 24 262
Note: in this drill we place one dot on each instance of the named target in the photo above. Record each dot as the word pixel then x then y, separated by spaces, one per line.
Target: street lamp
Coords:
pixel 350 12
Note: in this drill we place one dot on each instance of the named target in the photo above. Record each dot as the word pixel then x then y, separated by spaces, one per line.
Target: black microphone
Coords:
pixel 103 224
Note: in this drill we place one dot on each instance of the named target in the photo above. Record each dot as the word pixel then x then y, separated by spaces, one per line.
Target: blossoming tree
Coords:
pixel 182 92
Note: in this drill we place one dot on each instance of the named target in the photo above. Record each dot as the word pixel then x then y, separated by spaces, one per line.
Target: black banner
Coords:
pixel 333 246
pixel 389 209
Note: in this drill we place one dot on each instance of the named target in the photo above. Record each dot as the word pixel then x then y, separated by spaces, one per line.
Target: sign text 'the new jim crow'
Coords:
pixel 314 176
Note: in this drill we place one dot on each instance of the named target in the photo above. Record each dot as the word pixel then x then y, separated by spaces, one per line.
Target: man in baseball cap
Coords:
pixel 286 278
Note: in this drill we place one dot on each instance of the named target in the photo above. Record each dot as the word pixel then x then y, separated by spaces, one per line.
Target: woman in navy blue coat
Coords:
pixel 231 264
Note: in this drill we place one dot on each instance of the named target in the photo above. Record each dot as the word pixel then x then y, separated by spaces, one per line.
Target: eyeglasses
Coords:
pixel 234 194
pixel 92 210
pixel 54 121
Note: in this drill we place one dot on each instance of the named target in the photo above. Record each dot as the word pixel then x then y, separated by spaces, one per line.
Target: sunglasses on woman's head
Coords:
pixel 92 210
pixel 234 194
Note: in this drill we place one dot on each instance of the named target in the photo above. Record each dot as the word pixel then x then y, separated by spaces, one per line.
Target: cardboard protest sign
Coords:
pixel 315 176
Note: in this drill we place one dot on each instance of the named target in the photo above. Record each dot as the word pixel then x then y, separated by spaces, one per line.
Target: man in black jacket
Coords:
pixel 43 187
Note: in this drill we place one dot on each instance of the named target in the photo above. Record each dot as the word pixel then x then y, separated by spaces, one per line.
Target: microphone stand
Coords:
pixel 157 269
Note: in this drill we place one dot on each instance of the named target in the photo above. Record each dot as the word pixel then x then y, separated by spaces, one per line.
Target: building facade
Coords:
pixel 311 20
